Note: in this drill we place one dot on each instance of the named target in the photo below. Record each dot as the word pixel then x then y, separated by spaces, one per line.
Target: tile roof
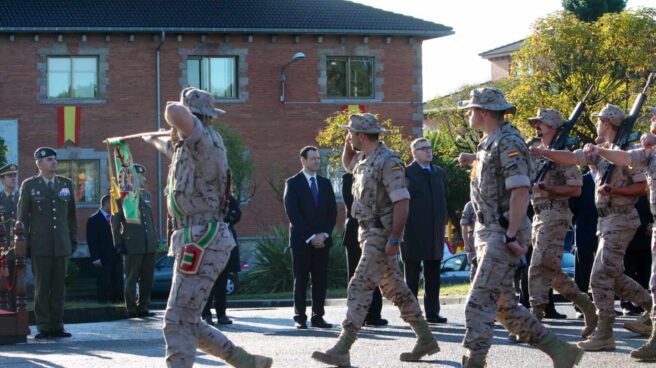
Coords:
pixel 229 16
pixel 504 50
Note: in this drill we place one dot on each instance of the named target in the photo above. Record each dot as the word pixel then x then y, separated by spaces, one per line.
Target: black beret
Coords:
pixel 139 169
pixel 8 169
pixel 43 152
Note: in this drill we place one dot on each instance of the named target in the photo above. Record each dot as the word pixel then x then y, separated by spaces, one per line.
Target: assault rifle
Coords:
pixel 562 139
pixel 624 136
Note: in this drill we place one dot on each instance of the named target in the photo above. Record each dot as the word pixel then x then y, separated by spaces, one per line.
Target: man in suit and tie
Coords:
pixel 312 211
pixel 108 263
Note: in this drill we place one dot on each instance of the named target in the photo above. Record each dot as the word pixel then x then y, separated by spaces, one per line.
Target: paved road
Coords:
pixel 139 343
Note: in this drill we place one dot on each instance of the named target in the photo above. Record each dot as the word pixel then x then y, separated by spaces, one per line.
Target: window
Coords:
pixel 72 77
pixel 217 75
pixel 85 175
pixel 350 77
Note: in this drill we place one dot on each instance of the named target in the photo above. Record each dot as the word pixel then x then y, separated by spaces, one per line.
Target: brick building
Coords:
pixel 500 59
pixel 75 72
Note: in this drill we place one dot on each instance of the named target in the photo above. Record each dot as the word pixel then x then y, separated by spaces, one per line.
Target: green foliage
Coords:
pixel 272 268
pixel 564 56
pixel 591 10
pixel 3 152
pixel 240 161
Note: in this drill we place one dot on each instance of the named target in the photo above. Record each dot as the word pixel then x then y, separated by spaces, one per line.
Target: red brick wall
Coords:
pixel 273 132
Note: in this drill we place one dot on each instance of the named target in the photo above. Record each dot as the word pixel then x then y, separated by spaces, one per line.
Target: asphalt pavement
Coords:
pixel 270 331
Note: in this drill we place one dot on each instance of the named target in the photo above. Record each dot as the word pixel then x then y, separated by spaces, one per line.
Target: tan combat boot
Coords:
pixel 647 352
pixel 468 362
pixel 538 311
pixel 240 358
pixel 642 325
pixel 425 345
pixel 589 311
pixel 338 355
pixel 602 338
pixel 562 354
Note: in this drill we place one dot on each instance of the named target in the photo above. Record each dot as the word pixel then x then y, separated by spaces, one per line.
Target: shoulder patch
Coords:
pixel 513 154
pixel 397 167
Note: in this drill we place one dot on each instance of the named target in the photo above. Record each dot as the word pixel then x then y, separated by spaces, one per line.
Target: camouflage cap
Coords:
pixel 140 169
pixel 8 169
pixel 487 98
pixel 43 152
pixel 612 113
pixel 364 123
pixel 551 117
pixel 200 102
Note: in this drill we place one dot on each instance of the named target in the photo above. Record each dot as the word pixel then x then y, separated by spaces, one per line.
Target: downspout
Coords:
pixel 159 125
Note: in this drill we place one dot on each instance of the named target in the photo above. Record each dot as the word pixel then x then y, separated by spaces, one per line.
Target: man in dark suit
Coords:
pixel 423 239
pixel 108 264
pixel 312 212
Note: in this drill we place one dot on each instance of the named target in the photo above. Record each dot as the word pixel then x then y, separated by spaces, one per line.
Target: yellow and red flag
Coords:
pixel 353 109
pixel 69 124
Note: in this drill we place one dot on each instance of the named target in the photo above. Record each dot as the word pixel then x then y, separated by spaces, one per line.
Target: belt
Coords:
pixel 371 224
pixel 195 219
pixel 486 221
pixel 550 204
pixel 603 212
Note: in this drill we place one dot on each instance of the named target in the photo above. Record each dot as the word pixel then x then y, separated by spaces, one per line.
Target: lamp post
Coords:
pixel 297 56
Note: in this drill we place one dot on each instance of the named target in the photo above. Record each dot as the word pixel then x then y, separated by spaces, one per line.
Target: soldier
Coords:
pixel 644 157
pixel 618 220
pixel 467 223
pixel 46 207
pixel 380 204
pixel 500 195
pixel 550 223
pixel 201 241
pixel 137 243
pixel 8 202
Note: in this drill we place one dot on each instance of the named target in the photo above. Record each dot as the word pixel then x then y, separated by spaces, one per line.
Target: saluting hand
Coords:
pixel 466 159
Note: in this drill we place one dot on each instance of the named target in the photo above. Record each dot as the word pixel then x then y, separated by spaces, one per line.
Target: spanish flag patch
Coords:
pixel 513 154
pixel 397 167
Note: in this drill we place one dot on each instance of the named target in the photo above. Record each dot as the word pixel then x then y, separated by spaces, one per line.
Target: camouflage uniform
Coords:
pixel 550 223
pixel 618 220
pixel 197 182
pixel 468 218
pixel 502 164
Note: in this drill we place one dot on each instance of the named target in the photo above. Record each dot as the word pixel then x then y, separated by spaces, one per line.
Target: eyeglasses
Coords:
pixel 425 149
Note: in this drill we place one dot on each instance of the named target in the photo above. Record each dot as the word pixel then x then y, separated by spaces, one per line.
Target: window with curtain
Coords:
pixel 217 75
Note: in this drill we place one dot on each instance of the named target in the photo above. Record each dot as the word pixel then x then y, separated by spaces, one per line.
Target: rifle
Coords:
pixel 624 136
pixel 562 139
pixel 159 133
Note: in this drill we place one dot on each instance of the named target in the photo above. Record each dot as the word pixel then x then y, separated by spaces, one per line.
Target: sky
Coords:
pixel 452 61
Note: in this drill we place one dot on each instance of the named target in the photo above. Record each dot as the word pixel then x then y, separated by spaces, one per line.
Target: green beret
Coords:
pixel 43 152
pixel 139 169
pixel 8 169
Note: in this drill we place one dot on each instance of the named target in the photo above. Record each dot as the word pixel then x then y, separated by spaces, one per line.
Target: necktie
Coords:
pixel 51 185
pixel 427 170
pixel 314 190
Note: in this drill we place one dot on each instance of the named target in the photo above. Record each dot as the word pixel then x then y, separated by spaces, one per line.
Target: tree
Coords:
pixel 564 56
pixel 240 161
pixel 3 152
pixel 591 10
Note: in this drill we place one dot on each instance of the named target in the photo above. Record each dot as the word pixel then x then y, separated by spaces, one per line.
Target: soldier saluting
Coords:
pixel 500 194
pixel 46 207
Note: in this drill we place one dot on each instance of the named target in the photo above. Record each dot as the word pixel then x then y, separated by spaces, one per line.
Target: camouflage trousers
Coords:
pixel 377 269
pixel 492 294
pixel 184 331
pixel 652 280
pixel 615 231
pixel 549 229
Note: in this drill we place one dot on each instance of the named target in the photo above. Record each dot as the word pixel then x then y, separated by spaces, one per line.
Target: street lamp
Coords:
pixel 297 56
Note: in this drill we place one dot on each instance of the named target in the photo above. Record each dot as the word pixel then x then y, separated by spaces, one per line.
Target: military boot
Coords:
pixel 338 355
pixel 642 325
pixel 468 362
pixel 425 345
pixel 538 311
pixel 240 358
pixel 602 338
pixel 562 354
pixel 589 311
pixel 646 352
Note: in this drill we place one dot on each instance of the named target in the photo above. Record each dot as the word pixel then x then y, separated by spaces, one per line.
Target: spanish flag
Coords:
pixel 69 124
pixel 353 109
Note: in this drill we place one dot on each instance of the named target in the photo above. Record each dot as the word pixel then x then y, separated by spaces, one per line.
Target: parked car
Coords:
pixel 164 274
pixel 456 269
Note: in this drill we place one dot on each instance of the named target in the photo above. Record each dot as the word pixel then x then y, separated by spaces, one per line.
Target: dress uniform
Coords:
pixel 378 182
pixel 46 207
pixel 8 203
pixel 502 165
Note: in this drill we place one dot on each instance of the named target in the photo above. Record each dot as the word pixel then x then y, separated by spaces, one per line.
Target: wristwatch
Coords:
pixel 394 242
pixel 509 239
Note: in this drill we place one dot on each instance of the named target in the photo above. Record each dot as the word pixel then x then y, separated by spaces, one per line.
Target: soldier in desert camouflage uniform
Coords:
pixel 380 204
pixel 644 157
pixel 201 241
pixel 500 194
pixel 618 220
pixel 550 223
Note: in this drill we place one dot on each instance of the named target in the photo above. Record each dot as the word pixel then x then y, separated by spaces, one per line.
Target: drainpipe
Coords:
pixel 159 125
